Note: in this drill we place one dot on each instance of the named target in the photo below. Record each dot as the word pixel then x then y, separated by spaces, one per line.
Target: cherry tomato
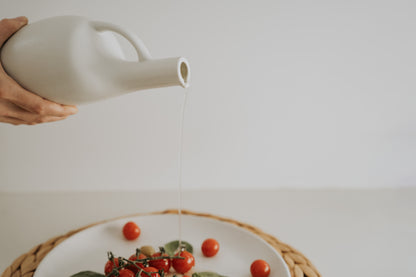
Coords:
pixel 260 268
pixel 125 273
pixel 109 265
pixel 131 231
pixel 154 272
pixel 135 258
pixel 210 247
pixel 183 265
pixel 162 263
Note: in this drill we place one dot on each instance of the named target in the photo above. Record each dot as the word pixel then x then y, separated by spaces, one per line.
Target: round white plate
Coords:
pixel 87 250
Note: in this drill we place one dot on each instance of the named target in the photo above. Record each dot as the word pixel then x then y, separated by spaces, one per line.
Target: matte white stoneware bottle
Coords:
pixel 66 60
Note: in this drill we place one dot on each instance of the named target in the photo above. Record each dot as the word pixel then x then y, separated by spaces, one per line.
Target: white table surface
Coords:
pixel 344 233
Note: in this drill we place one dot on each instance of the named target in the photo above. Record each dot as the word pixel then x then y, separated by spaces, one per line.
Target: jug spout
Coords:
pixel 153 73
pixel 167 72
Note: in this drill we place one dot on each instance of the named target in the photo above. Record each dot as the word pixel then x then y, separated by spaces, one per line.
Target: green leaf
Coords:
pixel 207 274
pixel 88 274
pixel 172 246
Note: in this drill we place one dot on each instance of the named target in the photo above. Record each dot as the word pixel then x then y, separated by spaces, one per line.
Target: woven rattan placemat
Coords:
pixel 299 265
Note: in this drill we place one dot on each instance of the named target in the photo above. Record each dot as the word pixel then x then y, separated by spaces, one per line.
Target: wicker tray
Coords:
pixel 299 265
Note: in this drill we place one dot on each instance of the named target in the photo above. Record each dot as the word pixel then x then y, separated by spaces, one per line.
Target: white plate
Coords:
pixel 87 250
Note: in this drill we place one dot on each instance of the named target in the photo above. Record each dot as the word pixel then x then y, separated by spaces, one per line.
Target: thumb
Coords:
pixel 9 26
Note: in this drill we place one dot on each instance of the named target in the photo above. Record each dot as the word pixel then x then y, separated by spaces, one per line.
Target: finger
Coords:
pixel 17 121
pixel 31 102
pixel 46 119
pixel 12 120
pixel 9 26
pixel 36 104
pixel 8 109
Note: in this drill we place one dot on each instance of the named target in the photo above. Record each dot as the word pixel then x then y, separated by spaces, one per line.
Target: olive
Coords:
pixel 147 250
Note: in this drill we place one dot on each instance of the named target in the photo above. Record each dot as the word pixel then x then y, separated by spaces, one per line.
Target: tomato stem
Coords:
pixel 123 262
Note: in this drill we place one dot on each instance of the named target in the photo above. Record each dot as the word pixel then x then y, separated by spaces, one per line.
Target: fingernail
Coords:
pixel 21 18
pixel 73 110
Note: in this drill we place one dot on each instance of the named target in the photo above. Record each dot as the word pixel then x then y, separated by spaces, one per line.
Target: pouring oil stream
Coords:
pixel 180 158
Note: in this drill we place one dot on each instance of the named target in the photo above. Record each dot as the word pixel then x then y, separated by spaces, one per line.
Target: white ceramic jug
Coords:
pixel 66 60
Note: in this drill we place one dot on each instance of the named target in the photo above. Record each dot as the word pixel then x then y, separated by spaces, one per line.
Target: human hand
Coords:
pixel 18 105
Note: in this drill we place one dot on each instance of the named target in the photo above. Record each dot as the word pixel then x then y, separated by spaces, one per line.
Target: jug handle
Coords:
pixel 142 51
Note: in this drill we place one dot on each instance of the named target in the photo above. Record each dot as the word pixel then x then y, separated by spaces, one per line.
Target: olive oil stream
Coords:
pixel 180 161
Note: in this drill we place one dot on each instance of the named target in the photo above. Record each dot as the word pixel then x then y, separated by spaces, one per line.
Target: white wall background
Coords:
pixel 284 94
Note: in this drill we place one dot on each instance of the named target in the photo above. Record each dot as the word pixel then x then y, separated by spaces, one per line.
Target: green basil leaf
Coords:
pixel 207 274
pixel 172 246
pixel 88 274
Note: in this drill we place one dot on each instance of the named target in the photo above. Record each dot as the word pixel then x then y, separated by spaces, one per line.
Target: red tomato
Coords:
pixel 210 247
pixel 162 263
pixel 131 231
pixel 154 272
pixel 135 258
pixel 125 273
pixel 183 265
pixel 260 268
pixel 109 265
